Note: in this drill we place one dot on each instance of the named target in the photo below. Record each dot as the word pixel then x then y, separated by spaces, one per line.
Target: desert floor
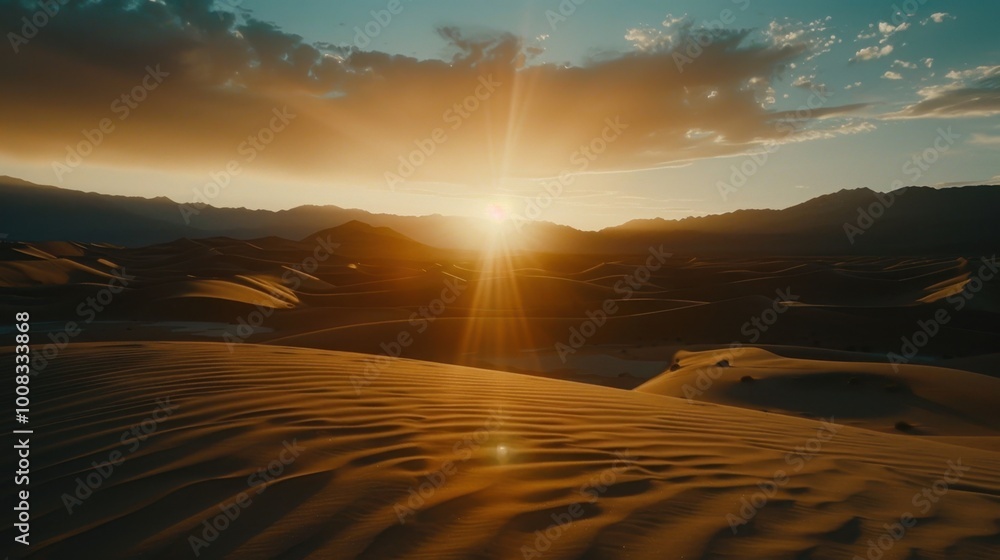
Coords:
pixel 268 399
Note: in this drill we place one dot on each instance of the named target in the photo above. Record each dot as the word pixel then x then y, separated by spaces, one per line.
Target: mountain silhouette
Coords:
pixel 911 220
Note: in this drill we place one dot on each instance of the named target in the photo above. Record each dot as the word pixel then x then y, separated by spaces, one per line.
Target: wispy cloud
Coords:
pixel 969 93
pixel 985 139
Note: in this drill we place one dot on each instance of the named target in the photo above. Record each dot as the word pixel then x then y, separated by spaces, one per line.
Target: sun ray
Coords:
pixel 497 324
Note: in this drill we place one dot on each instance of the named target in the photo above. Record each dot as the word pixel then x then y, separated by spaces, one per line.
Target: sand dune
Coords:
pixel 368 289
pixel 263 293
pixel 912 399
pixel 576 467
pixel 47 272
pixel 628 474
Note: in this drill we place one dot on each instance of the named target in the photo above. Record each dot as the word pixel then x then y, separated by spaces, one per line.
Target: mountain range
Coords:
pixel 911 220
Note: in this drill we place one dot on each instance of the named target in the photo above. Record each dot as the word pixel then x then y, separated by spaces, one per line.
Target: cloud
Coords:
pixel 868 33
pixel 890 75
pixel 652 38
pixel 850 127
pixel 974 92
pixel 903 64
pixel 928 62
pixel 937 17
pixel 813 34
pixel 977 73
pixel 871 53
pixel 985 139
pixel 841 126
pixel 884 29
pixel 785 33
pixel 993 181
pixel 647 38
pixel 887 30
pixel 358 112
pixel 670 20
pixel 810 83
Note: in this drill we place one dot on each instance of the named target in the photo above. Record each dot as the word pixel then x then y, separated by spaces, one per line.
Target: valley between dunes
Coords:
pixel 435 461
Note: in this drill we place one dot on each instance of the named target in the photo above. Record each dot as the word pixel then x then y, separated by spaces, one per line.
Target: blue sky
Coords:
pixel 885 81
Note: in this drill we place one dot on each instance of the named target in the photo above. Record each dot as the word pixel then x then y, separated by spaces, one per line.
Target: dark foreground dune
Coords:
pixel 313 459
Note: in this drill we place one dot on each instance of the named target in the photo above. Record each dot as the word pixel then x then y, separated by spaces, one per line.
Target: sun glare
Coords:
pixel 497 213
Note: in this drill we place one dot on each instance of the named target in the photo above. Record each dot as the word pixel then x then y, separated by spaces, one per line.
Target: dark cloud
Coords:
pixel 357 112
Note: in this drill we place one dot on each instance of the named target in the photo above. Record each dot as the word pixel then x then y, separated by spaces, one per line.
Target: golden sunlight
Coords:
pixel 498 213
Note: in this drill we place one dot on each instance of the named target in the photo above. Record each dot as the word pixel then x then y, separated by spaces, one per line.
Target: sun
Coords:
pixel 497 213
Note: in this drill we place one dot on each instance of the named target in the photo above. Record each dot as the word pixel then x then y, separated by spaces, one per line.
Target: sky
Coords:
pixel 583 112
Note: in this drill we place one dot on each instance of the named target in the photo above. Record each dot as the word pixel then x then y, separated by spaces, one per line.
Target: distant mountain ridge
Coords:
pixel 912 220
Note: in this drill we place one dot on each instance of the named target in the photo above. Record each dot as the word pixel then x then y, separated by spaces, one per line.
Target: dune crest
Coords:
pixel 878 396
